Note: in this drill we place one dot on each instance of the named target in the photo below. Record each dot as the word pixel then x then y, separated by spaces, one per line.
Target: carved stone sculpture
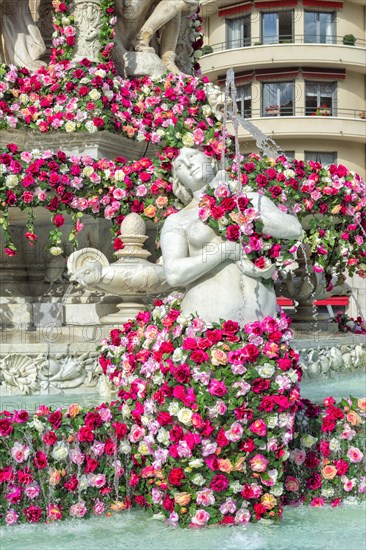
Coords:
pixel 88 21
pixel 220 284
pixel 21 40
pixel 130 276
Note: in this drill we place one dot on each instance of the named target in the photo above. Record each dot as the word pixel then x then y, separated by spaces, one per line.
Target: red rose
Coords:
pixel 228 204
pixel 109 447
pixel 199 356
pixel 260 262
pixel 164 418
pixel 232 232
pixel 121 429
pixel 175 476
pixel 6 427
pixel 230 328
pixel 212 462
pixel 72 484
pixel 32 513
pixel 260 385
pixel 248 446
pixel 314 482
pixel 219 483
pixel 342 467
pixel 260 510
pixel 92 420
pixel 214 335
pixel 221 439
pixel 24 477
pixel 189 344
pixel 91 464
pixel 182 373
pixel 250 353
pixel 176 434
pixel 227 520
pixel 140 500
pixel 312 461
pixel 266 404
pixel 168 504
pixel 55 419
pixel 59 220
pixel 40 460
pixel 134 480
pixel 324 448
pixel 49 438
pixel 85 434
pixel 328 424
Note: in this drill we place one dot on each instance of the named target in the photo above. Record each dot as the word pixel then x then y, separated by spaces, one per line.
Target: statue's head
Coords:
pixel 89 275
pixel 192 171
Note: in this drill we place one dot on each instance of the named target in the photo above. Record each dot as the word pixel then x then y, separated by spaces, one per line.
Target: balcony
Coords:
pixel 288 52
pixel 348 125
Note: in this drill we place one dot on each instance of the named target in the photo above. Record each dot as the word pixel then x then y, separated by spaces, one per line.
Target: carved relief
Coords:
pixel 88 20
pixel 329 360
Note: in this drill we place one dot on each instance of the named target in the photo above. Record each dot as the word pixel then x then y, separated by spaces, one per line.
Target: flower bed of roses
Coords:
pixel 327 460
pixel 199 434
pixel 349 324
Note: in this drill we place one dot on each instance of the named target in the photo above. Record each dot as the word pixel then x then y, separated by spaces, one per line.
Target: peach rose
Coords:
pixel 268 501
pixel 292 484
pixel 329 471
pixel 225 465
pixel 238 466
pixel 354 418
pixel 73 410
pixel 150 211
pixel 161 202
pixel 182 498
pixel 55 477
pixel 361 403
pixel 118 505
pixel 218 357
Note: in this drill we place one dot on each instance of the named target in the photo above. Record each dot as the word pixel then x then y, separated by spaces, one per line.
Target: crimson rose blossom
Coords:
pixel 219 483
pixel 175 476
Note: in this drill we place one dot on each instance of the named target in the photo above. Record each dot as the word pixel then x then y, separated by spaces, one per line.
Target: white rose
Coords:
pixel 88 171
pixel 23 98
pixel 178 355
pixel 11 181
pixel 327 492
pixel 92 129
pixel 277 490
pixel 125 448
pixel 196 463
pixel 163 436
pixel 37 424
pixel 188 140
pixel 266 371
pixel 158 378
pixel 101 73
pixel 56 250
pixel 236 487
pixel 94 94
pixel 272 421
pixel 198 479
pixel 145 420
pixel 143 449
pixel 83 483
pixel 207 111
pixel 185 416
pixel 119 175
pixel 308 441
pixel 3 169
pixel 173 408
pixel 70 126
pixel 60 451
pixel 160 132
pixel 289 173
pixel 126 411
pixel 334 445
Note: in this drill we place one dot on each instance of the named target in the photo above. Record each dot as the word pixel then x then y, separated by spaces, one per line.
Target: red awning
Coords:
pixel 328 74
pixel 275 4
pixel 240 78
pixel 322 4
pixel 236 9
pixel 276 73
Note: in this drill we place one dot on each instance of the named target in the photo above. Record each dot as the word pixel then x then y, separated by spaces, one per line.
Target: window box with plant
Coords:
pixel 323 110
pixel 273 110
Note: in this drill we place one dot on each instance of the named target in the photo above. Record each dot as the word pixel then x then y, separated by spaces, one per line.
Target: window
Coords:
pixel 277 27
pixel 278 99
pixel 320 98
pixel 290 155
pixel 320 27
pixel 238 32
pixel 322 157
pixel 244 100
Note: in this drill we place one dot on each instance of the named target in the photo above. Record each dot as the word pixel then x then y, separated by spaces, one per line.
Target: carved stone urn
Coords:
pixel 132 277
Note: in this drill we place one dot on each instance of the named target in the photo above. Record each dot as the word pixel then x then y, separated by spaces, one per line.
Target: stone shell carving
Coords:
pixel 328 361
pixel 19 373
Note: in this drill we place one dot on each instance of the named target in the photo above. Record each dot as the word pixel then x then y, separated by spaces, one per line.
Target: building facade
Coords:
pixel 300 70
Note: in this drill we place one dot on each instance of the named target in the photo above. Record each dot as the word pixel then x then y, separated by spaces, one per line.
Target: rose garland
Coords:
pixel 330 203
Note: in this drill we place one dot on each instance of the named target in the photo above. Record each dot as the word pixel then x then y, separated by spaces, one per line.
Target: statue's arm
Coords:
pixel 275 222
pixel 181 268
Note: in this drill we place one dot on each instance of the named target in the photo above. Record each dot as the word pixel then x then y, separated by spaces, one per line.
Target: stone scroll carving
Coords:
pixel 21 41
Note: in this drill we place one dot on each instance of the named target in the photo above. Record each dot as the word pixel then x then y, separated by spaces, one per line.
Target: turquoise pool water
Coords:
pixel 353 383
pixel 302 528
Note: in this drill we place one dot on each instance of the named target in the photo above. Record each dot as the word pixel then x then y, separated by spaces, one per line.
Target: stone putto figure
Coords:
pixel 219 284
pixel 21 41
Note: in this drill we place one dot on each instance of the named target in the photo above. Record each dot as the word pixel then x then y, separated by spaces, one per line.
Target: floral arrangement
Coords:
pixel 61 464
pixel 210 413
pixel 272 109
pixel 326 464
pixel 329 202
pixel 79 185
pixel 197 42
pixel 63 39
pixel 322 110
pixel 349 324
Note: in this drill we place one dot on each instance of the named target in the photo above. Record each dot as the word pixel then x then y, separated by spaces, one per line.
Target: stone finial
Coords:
pixel 133 235
pixel 133 224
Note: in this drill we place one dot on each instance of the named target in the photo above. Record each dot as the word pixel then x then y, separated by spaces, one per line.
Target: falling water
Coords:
pixel 60 304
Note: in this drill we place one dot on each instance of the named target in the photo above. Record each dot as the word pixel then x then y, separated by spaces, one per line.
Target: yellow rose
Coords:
pixel 329 471
pixel 268 501
pixel 238 466
pixel 182 498
pixel 150 211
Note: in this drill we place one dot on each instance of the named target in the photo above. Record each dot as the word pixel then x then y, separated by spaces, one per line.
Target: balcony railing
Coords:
pixel 308 112
pixel 282 39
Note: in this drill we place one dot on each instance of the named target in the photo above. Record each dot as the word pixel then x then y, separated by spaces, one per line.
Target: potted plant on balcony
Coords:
pixel 272 110
pixel 349 40
pixel 323 110
pixel 362 114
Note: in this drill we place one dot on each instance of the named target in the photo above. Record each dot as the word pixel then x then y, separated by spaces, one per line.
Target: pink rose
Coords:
pixel 354 454
pixel 200 518
pixel 259 463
